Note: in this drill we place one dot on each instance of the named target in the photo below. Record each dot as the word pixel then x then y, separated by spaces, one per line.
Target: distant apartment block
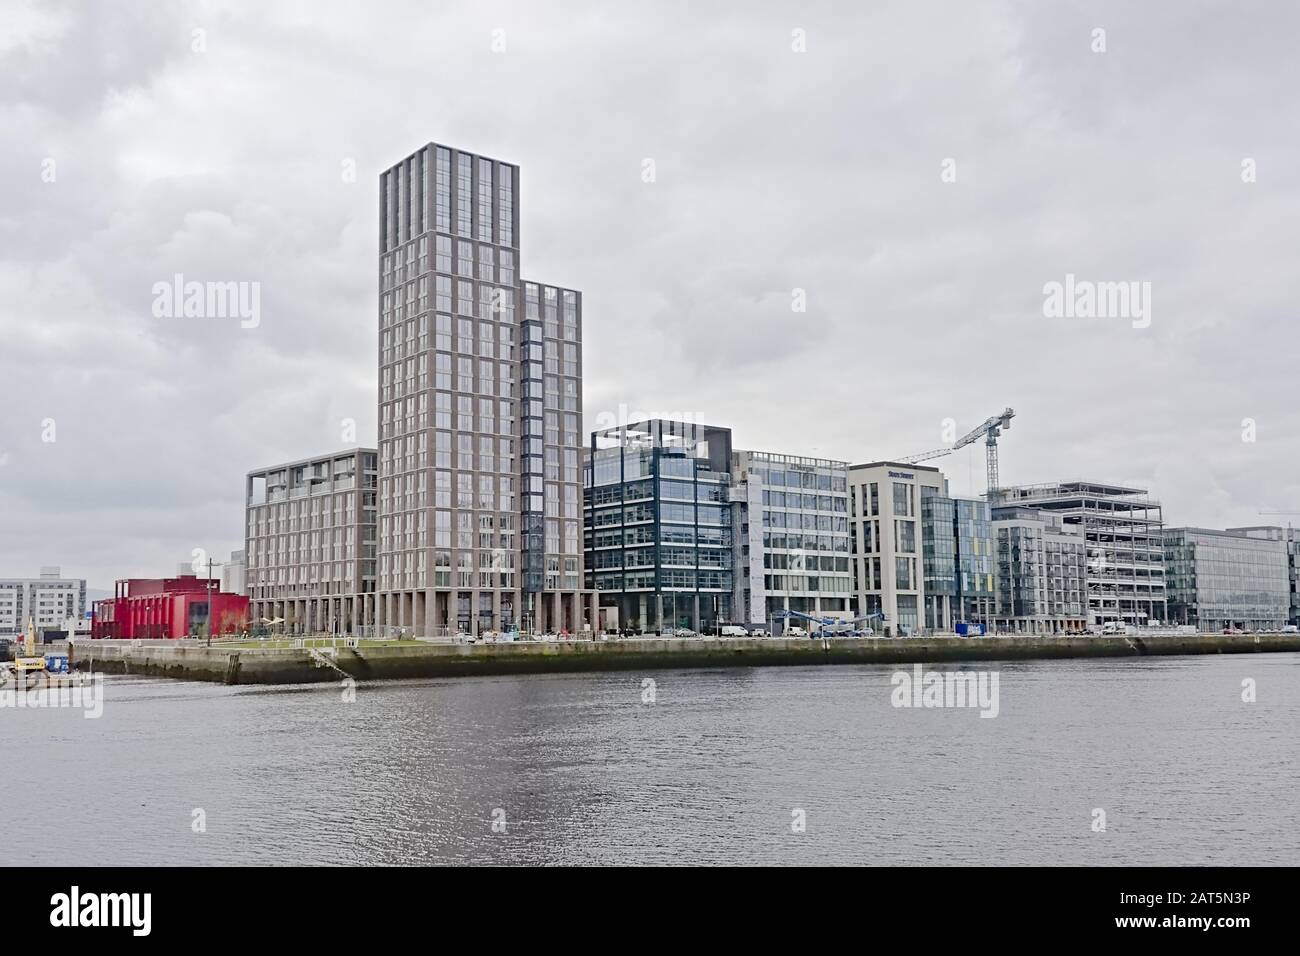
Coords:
pixel 885 518
pixel 480 406
pixel 1042 570
pixel 1123 532
pixel 790 532
pixel 309 544
pixel 1222 579
pixel 49 600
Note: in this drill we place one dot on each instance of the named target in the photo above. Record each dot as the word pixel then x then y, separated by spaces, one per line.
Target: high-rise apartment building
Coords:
pixel 480 409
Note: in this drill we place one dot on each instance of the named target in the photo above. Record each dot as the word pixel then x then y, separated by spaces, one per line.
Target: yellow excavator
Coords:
pixel 28 661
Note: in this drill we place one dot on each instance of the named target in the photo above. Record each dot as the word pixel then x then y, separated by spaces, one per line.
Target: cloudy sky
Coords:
pixel 920 170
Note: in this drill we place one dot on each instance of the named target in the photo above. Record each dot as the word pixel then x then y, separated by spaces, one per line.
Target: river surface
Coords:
pixel 722 767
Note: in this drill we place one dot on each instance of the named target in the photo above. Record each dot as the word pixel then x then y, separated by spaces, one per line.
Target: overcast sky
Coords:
pixel 135 148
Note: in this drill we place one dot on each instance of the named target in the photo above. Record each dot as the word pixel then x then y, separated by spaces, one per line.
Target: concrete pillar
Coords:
pixel 659 612
pixel 695 616
pixel 473 612
pixel 593 611
pixel 496 609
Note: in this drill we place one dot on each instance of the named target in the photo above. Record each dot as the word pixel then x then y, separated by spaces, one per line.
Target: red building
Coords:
pixel 167 607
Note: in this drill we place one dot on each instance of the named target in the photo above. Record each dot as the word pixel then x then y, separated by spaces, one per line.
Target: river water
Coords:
pixel 722 767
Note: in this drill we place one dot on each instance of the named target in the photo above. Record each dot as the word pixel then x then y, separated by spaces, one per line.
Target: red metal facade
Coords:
pixel 167 608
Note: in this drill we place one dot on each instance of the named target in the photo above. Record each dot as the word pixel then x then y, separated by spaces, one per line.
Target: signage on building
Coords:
pixel 902 474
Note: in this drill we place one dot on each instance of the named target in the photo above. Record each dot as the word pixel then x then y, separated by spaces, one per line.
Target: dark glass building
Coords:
pixel 658 529
pixel 957 560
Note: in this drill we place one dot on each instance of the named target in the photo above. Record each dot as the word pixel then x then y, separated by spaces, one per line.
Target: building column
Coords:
pixel 659 612
pixel 496 610
pixel 695 615
pixel 593 612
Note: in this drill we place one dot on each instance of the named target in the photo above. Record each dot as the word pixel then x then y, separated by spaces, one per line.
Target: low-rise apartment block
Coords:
pixel 1042 569
pixel 309 543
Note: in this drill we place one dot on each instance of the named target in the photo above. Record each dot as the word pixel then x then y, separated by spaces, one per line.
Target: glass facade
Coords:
pixel 802 507
pixel 1224 579
pixel 658 534
pixel 957 558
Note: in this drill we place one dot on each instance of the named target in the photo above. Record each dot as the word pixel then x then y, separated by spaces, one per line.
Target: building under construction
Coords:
pixel 1123 532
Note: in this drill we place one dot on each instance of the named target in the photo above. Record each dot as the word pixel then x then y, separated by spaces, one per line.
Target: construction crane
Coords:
pixel 990 429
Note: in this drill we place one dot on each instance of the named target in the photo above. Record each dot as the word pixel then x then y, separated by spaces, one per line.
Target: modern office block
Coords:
pixel 1291 538
pixel 1227 579
pixel 957 560
pixel 791 535
pixel 659 532
pixel 309 545
pixel 885 518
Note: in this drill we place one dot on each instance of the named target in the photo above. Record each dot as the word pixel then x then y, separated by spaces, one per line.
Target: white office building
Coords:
pixel 885 518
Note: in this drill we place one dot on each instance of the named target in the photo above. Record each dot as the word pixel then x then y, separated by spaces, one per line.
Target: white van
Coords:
pixel 733 630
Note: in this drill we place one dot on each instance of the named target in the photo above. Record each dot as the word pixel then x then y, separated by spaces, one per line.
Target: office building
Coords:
pixel 659 527
pixel 49 600
pixel 309 545
pixel 480 405
pixel 886 543
pixel 957 561
pixel 1227 579
pixel 1122 530
pixel 1291 538
pixel 1042 568
pixel 791 535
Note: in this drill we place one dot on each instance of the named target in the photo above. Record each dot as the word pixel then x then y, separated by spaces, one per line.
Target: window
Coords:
pixel 464 195
pixel 442 209
pixel 902 499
